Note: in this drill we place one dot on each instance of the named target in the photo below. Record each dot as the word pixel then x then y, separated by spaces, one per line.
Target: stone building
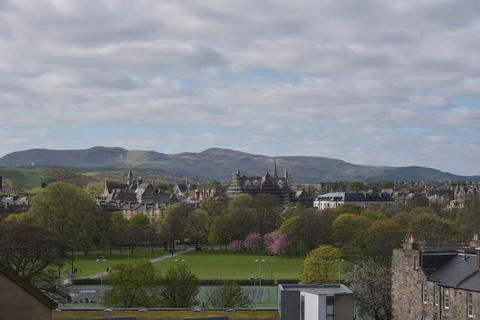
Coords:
pixel 435 283
pixel 19 300
pixel 134 196
pixel 334 200
pixel 270 184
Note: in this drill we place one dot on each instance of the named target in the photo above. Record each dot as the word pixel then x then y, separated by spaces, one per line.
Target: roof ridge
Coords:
pixel 467 277
pixel 46 300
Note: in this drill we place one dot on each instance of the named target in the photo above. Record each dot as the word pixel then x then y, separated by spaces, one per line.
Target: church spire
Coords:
pixel 275 175
pixel 130 177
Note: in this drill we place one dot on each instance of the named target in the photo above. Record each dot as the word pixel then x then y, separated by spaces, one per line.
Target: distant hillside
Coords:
pixel 219 164
pixel 26 178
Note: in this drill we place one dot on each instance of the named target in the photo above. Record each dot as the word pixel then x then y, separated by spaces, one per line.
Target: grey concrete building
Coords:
pixel 315 302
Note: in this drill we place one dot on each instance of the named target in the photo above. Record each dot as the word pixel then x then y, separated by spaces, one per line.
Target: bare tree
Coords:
pixel 371 284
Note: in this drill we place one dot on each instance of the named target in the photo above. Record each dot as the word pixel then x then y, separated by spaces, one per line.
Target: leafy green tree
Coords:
pixel 139 219
pixel 32 252
pixel 320 265
pixel 418 210
pixel 174 225
pixel 243 200
pixel 214 208
pixel 371 285
pixel 469 216
pixel 307 229
pixel 199 226
pixel 134 235
pixel 118 227
pixel 220 233
pixel 241 222
pixel 427 226
pixel 134 285
pixel 230 295
pixel 418 200
pixel 349 208
pixel 382 237
pixel 95 188
pixel 266 208
pixel 386 184
pixel 71 212
pixel 348 228
pixel 163 186
pixel 180 288
pixel 213 184
pixel 355 186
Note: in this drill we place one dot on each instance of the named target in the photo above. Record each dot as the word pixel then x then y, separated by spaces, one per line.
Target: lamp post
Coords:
pixel 259 261
pixel 338 268
pixel 101 260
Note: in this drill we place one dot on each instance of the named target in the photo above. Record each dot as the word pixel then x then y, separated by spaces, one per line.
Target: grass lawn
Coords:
pixel 87 265
pixel 236 266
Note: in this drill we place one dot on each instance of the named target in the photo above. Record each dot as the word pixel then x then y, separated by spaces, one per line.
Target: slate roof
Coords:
pixel 112 185
pixel 458 271
pixel 356 197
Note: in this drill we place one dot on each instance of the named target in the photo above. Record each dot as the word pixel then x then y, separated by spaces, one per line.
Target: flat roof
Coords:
pixel 328 289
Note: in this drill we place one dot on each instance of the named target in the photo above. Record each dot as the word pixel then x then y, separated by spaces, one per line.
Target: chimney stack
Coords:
pixel 477 258
pixel 408 242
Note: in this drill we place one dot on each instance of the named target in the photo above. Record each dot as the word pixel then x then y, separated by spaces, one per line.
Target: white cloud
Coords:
pixel 374 81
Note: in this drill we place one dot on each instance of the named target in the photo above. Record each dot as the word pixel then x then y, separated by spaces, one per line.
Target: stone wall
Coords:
pixel 407 299
pixel 406 285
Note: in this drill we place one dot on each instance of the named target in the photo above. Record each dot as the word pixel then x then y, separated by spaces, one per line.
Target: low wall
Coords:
pixel 165 314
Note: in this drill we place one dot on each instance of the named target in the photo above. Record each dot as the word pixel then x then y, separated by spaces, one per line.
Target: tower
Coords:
pixel 130 178
pixel 275 169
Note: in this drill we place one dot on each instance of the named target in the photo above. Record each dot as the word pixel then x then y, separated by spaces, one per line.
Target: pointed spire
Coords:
pixel 130 177
pixel 275 168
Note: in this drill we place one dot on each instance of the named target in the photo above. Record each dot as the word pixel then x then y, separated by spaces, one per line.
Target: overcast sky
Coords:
pixel 384 82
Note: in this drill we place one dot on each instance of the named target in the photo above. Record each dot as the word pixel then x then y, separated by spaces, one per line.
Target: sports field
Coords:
pixel 236 266
pixel 87 265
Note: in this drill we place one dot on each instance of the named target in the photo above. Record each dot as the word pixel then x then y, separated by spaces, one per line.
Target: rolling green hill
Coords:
pixel 26 178
pixel 217 163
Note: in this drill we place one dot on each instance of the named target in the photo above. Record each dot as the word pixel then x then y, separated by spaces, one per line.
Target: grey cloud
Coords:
pixel 365 72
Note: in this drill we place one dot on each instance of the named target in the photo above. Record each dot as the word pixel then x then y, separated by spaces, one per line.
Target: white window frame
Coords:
pixel 446 298
pixel 436 295
pixel 425 293
pixel 469 305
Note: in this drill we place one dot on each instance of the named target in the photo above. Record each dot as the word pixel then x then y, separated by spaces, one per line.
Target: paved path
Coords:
pixel 154 260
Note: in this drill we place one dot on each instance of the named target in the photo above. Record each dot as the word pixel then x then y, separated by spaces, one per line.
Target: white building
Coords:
pixel 315 302
pixel 334 200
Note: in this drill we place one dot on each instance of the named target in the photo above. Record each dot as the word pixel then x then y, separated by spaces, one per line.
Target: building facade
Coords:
pixel 435 283
pixel 134 196
pixel 334 200
pixel 315 302
pixel 269 184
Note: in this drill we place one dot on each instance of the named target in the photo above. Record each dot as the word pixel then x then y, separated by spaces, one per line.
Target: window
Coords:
pixel 302 307
pixel 330 307
pixel 469 305
pixel 415 262
pixel 424 316
pixel 425 293
pixel 446 298
pixel 436 295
